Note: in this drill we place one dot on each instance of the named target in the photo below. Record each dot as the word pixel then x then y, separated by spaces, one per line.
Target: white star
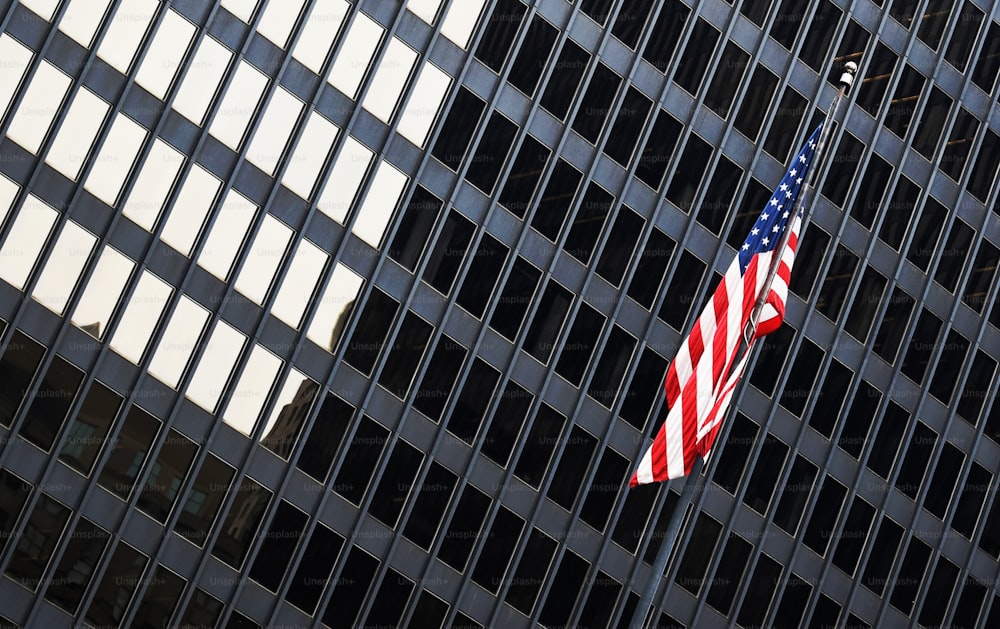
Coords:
pixel 802 158
pixel 775 229
pixel 788 195
pixel 745 247
pixel 754 231
pixel 783 187
pixel 765 241
pixel 793 172
pixel 764 216
pixel 774 201
pixel 785 215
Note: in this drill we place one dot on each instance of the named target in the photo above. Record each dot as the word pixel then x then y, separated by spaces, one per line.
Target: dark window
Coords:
pixel 579 347
pixel 599 10
pixel 660 528
pixel 764 479
pixel 204 499
pixel 953 256
pixel 903 11
pixel 942 486
pixel 278 546
pixel 977 387
pixel 988 61
pixel 786 23
pixel 430 505
pixel 495 556
pixel 239 529
pixel 407 351
pixel 439 378
pixel 981 277
pixel 956 151
pixel 756 101
pixel 811 253
pixel 368 339
pixel 282 435
pixel 350 591
pixel 566 587
pixel 990 540
pixel 770 358
pixel 565 79
pixel 825 614
pixel 729 574
pixel 415 228
pixel 601 601
pixel 459 128
pixel 449 252
pixel 984 172
pixel 315 567
pixel 904 102
pixel 964 37
pixel 897 216
pixel 922 345
pixel 837 283
pixel 851 48
pixel 645 283
pixel 822 30
pixel 851 541
pixel 556 200
pixel 499 33
pixel 51 403
pixel 429 612
pixel 686 180
pixel 517 295
pixel 487 265
pixel 491 153
pixel 524 176
pixel 202 610
pixel 644 389
pixel 728 75
pixel 588 223
pixel 918 453
pixel 931 123
pixel 76 568
pixel 914 565
pixel 697 56
pixel 747 213
pixel 630 528
pixel 824 516
pixel 949 366
pixel 616 255
pixel 736 450
pixel 631 18
pixel 160 600
pixel 794 599
pixel 470 409
pixel 893 325
pixel 970 603
pixel 547 322
pixel 785 124
pixel 596 105
pixel 542 438
pixel 392 595
pixel 719 195
pixel 756 12
pixel 832 394
pixel 874 183
pixel 887 441
pixel 395 483
pixel 463 530
pixel 970 503
pixel 841 175
pixel 122 577
pixel 882 556
pixel 795 495
pixel 628 126
pixel 867 302
pixel 166 476
pixel 532 56
pixel 658 150
pixel 606 381
pixel 507 422
pixel 573 464
pixel 89 429
pixel 363 454
pixel 17 368
pixel 604 489
pixel 859 419
pixel 128 453
pixel 14 493
pixel 325 436
pixel 876 79
pixel 760 592
pixel 802 376
pixel 697 553
pixel 665 34
pixel 682 291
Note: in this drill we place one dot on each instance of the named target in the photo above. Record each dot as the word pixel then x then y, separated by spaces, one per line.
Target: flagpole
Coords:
pixel 693 483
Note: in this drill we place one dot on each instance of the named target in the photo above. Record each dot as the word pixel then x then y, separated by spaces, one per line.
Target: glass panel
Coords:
pixel 164 54
pixel 252 390
pixel 122 577
pixel 187 215
pixel 273 130
pixel 426 10
pixel 263 259
pixel 156 178
pixel 355 55
pixel 128 453
pixel 25 240
pixel 424 104
pixel 346 174
pixel 318 32
pixel 115 160
pixel 8 193
pixel 291 409
pixel 51 404
pixel 40 102
pixel 204 499
pixel 81 20
pixel 63 267
pixel 124 35
pixel 332 423
pixel 141 316
pixel 307 160
pixel 36 542
pixel 167 475
pixel 179 340
pixel 17 57
pixel 239 529
pixel 278 20
pixel 278 546
pixel 461 20
pixel 299 283
pixel 227 235
pixel 104 289
pixel 335 307
pixel 161 597
pixel 389 80
pixel 76 568
pixel 76 134
pixel 379 204
pixel 243 9
pixel 313 572
pixel 14 493
pixel 89 430
pixel 201 80
pixel 238 105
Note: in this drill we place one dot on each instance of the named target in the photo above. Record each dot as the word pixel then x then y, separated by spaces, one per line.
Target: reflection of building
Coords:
pixel 524 204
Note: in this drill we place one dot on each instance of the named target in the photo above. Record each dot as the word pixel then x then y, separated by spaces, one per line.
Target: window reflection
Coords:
pixel 291 409
pixel 203 500
pixel 335 307
pixel 239 529
pixel 128 452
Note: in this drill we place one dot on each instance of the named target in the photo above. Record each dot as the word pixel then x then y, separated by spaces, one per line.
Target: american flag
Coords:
pixel 700 383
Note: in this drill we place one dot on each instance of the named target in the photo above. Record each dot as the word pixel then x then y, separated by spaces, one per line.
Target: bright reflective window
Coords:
pixel 422 107
pixel 389 80
pixel 228 233
pixel 263 259
pixel 16 57
pixel 251 392
pixel 215 366
pixel 165 53
pixel 125 33
pixel 179 339
pixel 193 202
pixel 346 175
pixel 299 283
pixel 140 317
pixel 25 241
pixel 41 101
pixel 355 55
pixel 242 9
pixel 43 8
pixel 63 267
pixel 276 125
pixel 334 308
pixel 309 155
pixel 290 410
pixel 114 161
pixel 379 204
pixel 151 187
pixel 200 82
pixel 320 29
pixel 103 292
pixel 8 192
pixel 426 10
pixel 278 20
pixel 461 21
pixel 82 18
pixel 76 133
pixel 238 105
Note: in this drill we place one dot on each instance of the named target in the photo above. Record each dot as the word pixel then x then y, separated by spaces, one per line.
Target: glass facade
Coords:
pixel 356 313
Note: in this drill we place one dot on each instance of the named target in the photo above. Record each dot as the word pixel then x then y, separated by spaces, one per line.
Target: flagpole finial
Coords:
pixel 847 78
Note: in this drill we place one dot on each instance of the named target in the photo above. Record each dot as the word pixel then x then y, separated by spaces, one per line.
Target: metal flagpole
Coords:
pixel 644 613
